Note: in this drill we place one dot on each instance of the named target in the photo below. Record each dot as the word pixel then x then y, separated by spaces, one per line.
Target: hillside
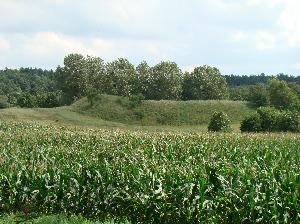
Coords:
pixel 152 113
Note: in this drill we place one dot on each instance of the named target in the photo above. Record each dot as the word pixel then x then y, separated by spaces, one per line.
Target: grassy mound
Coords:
pixel 164 112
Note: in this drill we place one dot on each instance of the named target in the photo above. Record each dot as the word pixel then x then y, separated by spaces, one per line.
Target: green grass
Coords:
pixel 112 112
pixel 157 113
pixel 149 177
pixel 52 219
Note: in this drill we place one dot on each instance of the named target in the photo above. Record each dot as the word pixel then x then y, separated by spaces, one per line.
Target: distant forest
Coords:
pixel 89 76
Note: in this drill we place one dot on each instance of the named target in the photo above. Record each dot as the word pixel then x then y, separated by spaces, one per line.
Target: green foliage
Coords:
pixel 92 95
pixel 136 100
pixel 289 121
pixel 219 122
pixel 72 77
pixel 27 100
pixel 271 120
pixel 149 177
pixel 142 79
pixel 258 95
pixel 239 93
pixel 3 102
pixel 165 82
pixel 252 123
pixel 175 113
pixel 281 96
pixel 269 117
pixel 119 77
pixel 204 83
pixel 49 100
pixel 54 219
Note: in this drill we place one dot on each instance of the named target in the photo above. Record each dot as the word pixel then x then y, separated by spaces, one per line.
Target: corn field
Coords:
pixel 149 177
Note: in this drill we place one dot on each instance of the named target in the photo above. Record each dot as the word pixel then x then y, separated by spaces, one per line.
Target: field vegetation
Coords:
pixel 149 177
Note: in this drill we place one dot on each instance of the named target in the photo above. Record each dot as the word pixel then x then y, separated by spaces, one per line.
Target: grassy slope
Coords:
pixel 114 112
pixel 174 113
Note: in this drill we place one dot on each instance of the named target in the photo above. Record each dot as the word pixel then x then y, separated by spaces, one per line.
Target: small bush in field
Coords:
pixel 3 102
pixel 219 122
pixel 252 123
pixel 269 118
pixel 289 121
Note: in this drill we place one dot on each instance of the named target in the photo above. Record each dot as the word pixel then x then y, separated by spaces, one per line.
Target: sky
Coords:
pixel 240 37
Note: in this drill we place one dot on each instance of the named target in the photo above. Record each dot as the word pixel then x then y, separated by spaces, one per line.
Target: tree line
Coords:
pixel 89 76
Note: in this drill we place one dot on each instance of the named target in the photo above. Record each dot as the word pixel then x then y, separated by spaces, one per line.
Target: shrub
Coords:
pixel 258 95
pixel 138 115
pixel 26 100
pixel 288 121
pixel 136 100
pixel 91 94
pixel 219 122
pixel 3 102
pixel 268 117
pixel 252 123
pixel 48 100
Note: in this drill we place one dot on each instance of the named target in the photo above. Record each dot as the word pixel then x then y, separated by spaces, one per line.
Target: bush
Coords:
pixel 219 122
pixel 270 119
pixel 3 102
pixel 136 100
pixel 26 100
pixel 138 115
pixel 258 95
pixel 289 121
pixel 48 100
pixel 252 123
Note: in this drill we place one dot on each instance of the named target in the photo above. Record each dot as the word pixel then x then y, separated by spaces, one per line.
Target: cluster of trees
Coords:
pixel 86 76
pixel 28 87
pixel 242 87
pixel 278 109
pixel 90 76
pixel 270 119
pixel 246 80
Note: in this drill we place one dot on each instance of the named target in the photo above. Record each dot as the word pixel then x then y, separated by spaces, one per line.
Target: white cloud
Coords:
pixel 268 3
pixel 238 36
pixel 297 66
pixel 48 43
pixel 265 40
pixel 289 21
pixel 4 44
pixel 261 40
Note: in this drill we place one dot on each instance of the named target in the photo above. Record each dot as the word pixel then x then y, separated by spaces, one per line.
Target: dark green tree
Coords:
pixel 142 79
pixel 119 77
pixel 205 83
pixel 72 78
pixel 281 96
pixel 258 95
pixel 165 82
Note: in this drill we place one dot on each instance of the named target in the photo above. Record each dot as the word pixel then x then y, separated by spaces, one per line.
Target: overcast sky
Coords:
pixel 237 36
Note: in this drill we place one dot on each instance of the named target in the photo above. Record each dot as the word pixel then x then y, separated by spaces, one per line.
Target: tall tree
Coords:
pixel 119 77
pixel 72 77
pixel 258 95
pixel 142 78
pixel 95 69
pixel 204 83
pixel 165 82
pixel 281 96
